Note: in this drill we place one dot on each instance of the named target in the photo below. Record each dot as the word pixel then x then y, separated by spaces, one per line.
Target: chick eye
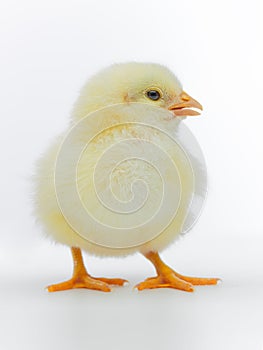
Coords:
pixel 153 95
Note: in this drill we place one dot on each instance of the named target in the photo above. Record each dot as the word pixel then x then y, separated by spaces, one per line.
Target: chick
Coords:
pixel 139 103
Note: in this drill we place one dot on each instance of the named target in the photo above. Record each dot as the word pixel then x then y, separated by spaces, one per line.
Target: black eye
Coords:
pixel 153 95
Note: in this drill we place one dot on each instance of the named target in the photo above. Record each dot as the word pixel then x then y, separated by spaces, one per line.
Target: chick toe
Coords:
pixel 114 281
pixel 199 281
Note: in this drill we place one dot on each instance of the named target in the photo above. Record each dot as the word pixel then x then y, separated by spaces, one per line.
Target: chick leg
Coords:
pixel 168 278
pixel 81 278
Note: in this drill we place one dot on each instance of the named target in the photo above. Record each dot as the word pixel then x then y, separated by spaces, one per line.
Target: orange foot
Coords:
pixel 81 279
pixel 88 282
pixel 168 278
pixel 173 281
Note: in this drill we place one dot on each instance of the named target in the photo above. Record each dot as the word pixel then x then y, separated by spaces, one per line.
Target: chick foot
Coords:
pixel 162 281
pixel 84 281
pixel 168 278
pixel 81 279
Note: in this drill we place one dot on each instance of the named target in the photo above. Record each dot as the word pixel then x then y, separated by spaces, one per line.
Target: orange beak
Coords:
pixel 183 107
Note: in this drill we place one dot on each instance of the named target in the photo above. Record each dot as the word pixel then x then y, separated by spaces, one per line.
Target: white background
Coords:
pixel 48 50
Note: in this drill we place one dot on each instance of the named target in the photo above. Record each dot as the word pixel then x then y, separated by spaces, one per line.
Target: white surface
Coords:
pixel 227 316
pixel 47 50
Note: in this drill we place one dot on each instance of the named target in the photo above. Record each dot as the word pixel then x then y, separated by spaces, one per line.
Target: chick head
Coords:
pixel 147 83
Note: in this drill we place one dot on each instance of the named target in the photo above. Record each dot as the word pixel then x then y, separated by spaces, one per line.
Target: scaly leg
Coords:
pixel 81 279
pixel 168 278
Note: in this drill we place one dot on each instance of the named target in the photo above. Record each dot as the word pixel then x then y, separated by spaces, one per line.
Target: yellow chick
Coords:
pixel 119 180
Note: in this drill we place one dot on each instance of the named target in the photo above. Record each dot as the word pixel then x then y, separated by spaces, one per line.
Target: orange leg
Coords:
pixel 81 279
pixel 168 278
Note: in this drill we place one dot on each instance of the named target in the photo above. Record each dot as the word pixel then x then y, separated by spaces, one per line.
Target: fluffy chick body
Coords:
pixel 100 92
pixel 97 94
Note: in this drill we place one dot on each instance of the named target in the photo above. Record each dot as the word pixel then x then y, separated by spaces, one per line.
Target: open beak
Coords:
pixel 184 106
